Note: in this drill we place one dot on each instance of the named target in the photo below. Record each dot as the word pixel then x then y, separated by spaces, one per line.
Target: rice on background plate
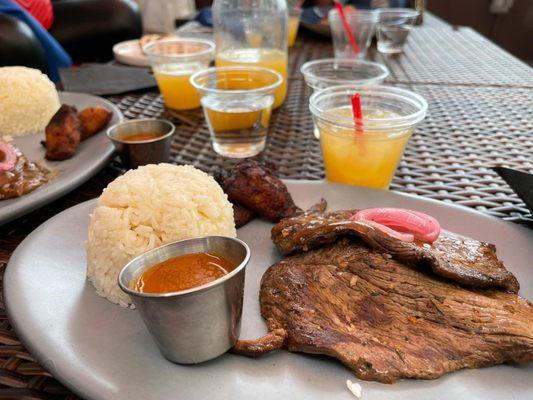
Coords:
pixel 28 100
pixel 145 208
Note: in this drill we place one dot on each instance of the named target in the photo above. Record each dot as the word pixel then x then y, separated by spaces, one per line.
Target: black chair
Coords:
pixel 87 29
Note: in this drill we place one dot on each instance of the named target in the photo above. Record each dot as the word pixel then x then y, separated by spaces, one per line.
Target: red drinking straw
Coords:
pixel 351 38
pixel 299 5
pixel 357 113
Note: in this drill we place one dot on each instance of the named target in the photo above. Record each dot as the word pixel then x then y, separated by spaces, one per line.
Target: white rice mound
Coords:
pixel 147 207
pixel 28 100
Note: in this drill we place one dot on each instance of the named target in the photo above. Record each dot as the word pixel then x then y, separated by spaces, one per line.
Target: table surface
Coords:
pixel 480 108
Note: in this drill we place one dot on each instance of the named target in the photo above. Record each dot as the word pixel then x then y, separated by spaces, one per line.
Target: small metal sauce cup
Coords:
pixel 135 154
pixel 198 324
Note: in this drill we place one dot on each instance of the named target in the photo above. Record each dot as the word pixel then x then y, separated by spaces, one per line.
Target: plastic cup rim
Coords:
pixel 304 70
pixel 397 11
pixel 264 89
pixel 367 15
pixel 210 50
pixel 376 124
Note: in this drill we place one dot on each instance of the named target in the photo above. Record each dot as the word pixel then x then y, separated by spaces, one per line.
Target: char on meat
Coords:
pixel 255 186
pixel 457 258
pixel 384 320
pixel 63 134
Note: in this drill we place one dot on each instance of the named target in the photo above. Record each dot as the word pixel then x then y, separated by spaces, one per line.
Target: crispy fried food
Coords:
pixel 242 215
pixel 256 187
pixel 93 120
pixel 63 133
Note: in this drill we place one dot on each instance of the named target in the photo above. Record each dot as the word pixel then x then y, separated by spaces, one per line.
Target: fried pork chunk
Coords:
pixel 63 133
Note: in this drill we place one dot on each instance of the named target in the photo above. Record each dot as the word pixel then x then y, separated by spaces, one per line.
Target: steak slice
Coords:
pixel 457 258
pixel 384 320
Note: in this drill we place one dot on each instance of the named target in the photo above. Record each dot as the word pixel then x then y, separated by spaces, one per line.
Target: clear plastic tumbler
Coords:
pixel 362 24
pixel 365 155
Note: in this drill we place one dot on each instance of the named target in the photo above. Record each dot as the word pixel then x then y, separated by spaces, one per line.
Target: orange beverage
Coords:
pixel 237 103
pixel 368 159
pixel 177 91
pixel 267 58
pixel 292 26
pixel 173 62
pixel 365 152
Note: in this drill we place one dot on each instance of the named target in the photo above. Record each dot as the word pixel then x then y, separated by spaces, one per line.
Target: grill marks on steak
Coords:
pixel 457 258
pixel 384 320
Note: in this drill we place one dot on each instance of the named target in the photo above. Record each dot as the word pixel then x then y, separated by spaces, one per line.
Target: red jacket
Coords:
pixel 40 9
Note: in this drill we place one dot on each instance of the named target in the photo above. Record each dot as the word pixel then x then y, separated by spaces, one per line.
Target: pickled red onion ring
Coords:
pixel 8 157
pixel 406 225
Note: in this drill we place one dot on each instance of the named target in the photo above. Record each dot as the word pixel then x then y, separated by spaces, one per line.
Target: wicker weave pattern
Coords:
pixel 480 115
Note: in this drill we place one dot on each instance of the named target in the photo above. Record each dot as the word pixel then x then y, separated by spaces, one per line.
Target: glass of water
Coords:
pixel 237 103
pixel 362 24
pixel 393 28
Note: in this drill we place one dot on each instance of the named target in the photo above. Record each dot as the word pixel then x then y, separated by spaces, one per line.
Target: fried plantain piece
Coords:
pixel 255 186
pixel 93 120
pixel 63 134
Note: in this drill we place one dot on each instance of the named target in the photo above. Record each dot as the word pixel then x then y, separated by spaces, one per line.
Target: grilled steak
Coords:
pixel 457 258
pixel 384 320
pixel 25 177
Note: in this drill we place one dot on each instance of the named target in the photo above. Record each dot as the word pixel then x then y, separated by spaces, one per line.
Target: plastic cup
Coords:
pixel 393 28
pixel 321 74
pixel 369 156
pixel 237 103
pixel 173 62
pixel 328 72
pixel 362 24
pixel 293 24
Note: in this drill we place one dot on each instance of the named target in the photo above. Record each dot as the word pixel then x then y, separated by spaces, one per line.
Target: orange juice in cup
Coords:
pixel 237 103
pixel 293 25
pixel 367 157
pixel 258 57
pixel 173 62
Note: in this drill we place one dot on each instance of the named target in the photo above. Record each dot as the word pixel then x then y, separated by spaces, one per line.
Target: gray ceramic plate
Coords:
pixel 102 351
pixel 90 157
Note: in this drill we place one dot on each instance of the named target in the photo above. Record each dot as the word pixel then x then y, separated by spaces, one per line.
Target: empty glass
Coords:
pixel 237 103
pixel 320 74
pixel 393 28
pixel 362 24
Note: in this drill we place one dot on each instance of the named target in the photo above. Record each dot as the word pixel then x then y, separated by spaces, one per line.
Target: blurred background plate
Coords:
pixel 90 157
pixel 130 53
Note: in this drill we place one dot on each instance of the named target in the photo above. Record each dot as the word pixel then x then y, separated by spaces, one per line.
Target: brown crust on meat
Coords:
pixel 256 187
pixel 457 258
pixel 63 134
pixel 386 321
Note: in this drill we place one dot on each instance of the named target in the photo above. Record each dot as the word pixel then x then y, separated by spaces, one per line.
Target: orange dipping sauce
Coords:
pixel 182 272
pixel 141 137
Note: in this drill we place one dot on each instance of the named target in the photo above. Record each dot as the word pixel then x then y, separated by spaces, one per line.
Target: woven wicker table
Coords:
pixel 480 116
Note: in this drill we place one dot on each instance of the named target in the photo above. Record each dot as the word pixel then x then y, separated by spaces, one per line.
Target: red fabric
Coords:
pixel 40 9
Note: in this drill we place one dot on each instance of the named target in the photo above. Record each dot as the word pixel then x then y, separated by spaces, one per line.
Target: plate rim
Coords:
pixel 40 201
pixel 75 386
pixel 129 60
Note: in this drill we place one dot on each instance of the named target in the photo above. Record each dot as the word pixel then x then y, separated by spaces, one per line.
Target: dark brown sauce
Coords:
pixel 183 272
pixel 141 137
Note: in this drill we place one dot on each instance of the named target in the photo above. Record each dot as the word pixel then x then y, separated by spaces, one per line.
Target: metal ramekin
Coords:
pixel 135 154
pixel 198 324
